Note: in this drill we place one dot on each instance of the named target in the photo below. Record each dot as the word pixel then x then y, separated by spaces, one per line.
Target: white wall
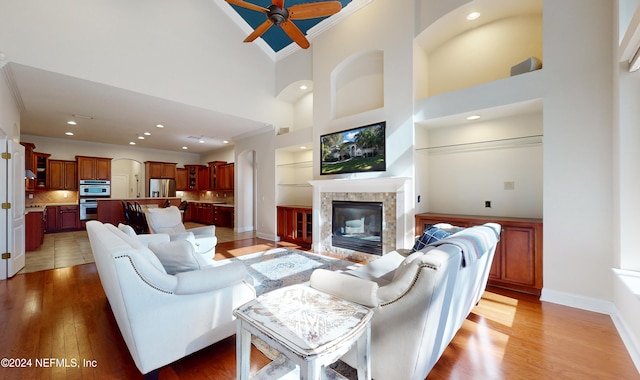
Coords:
pixel 162 48
pixel 578 118
pixel 469 164
pixel 9 112
pixel 63 149
pixel 394 37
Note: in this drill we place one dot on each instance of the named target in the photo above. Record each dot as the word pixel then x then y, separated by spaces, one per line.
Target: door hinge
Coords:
pixel 6 155
pixel 6 206
pixel 6 256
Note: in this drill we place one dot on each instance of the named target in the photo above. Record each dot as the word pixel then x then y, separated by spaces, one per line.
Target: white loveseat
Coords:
pixel 419 301
pixel 164 317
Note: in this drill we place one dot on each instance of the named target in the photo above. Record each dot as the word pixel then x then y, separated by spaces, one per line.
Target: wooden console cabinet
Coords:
pixel 517 264
pixel 295 224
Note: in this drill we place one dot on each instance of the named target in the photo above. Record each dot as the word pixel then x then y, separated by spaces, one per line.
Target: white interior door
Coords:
pixel 14 221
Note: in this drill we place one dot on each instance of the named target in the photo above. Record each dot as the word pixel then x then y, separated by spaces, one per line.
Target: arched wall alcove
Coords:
pixel 358 84
pixel 299 97
pixel 127 178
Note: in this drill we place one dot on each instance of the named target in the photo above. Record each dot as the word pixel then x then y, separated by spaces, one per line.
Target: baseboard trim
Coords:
pixel 270 237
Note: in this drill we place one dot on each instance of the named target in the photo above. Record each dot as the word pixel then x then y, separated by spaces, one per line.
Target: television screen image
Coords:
pixel 355 150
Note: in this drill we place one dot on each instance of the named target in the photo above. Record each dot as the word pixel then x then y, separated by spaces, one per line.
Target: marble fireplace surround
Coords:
pixel 395 193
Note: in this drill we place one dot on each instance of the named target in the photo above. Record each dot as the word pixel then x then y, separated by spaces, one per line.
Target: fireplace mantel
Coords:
pixel 397 223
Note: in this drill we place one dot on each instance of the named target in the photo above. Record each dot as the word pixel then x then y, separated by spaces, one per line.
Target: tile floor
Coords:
pixel 65 249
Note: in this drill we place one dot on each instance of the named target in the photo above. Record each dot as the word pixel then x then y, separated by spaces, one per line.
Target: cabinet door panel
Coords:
pixel 518 262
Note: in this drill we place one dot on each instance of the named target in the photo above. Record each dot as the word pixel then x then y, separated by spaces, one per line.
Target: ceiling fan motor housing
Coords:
pixel 277 15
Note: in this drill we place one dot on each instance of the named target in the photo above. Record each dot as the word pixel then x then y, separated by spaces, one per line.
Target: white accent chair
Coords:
pixel 168 220
pixel 164 317
pixel 419 301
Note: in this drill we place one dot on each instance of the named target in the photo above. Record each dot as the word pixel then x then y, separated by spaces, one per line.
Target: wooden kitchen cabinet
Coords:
pixel 295 224
pixel 29 164
pixel 517 263
pixel 197 177
pixel 34 230
pixel 94 168
pixel 223 216
pixel 160 170
pixel 62 218
pixel 226 173
pixel 63 175
pixel 182 179
pixel 41 165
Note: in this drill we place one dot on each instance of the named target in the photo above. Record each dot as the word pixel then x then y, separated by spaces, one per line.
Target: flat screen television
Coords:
pixel 354 150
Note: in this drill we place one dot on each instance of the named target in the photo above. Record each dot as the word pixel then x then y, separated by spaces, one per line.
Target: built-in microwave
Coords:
pixel 95 188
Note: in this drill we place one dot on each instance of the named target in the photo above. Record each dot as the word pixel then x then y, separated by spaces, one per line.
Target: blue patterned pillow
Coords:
pixel 430 235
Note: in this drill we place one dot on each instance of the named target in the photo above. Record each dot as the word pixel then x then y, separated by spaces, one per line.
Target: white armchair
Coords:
pixel 169 221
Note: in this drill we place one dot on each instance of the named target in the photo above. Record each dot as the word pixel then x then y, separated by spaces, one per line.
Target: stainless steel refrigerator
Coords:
pixel 162 188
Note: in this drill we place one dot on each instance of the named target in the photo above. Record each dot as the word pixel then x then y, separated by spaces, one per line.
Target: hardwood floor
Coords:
pixel 63 314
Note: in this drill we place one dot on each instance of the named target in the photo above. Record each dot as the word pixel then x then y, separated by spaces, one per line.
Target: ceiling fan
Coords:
pixel 279 15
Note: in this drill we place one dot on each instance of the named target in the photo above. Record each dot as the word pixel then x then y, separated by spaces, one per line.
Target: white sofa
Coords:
pixel 419 301
pixel 164 317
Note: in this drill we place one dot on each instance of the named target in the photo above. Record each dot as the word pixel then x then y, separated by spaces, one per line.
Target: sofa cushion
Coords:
pixel 178 256
pixel 127 230
pixel 143 251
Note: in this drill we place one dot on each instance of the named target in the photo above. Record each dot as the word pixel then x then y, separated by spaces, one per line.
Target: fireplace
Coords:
pixel 357 226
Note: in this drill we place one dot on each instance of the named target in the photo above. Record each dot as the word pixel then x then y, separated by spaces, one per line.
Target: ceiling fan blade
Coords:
pixel 295 34
pixel 278 3
pixel 244 4
pixel 314 10
pixel 259 31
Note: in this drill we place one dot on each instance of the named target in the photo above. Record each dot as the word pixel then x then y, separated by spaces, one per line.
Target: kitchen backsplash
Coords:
pixel 49 197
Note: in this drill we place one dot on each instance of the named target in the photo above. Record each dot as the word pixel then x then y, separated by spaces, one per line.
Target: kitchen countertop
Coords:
pixel 40 207
pixel 215 203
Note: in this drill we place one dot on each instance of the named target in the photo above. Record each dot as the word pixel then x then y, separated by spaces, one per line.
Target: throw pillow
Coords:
pixel 177 256
pixel 430 235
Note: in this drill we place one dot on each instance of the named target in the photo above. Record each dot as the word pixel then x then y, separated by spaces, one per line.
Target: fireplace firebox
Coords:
pixel 357 226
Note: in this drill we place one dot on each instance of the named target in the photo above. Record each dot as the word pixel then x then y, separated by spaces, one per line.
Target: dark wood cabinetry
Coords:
pixel 94 168
pixel 34 230
pixel 295 224
pixel 160 170
pixel 63 175
pixel 221 175
pixel 197 177
pixel 62 218
pixel 41 165
pixel 209 213
pixel 182 179
pixel 517 264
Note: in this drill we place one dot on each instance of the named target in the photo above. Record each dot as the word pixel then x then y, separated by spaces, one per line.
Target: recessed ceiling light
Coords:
pixel 225 142
pixel 69 133
pixel 473 15
pixel 82 116
pixel 71 122
pixel 185 148
pixel 303 147
pixel 303 87
pixel 159 126
pixel 147 133
pixel 140 137
pixel 132 143
pixel 473 117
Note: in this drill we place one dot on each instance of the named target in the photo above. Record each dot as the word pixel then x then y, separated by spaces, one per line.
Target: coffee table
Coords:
pixel 310 328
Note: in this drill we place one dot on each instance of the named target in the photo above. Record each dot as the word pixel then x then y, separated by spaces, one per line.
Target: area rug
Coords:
pixel 275 268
